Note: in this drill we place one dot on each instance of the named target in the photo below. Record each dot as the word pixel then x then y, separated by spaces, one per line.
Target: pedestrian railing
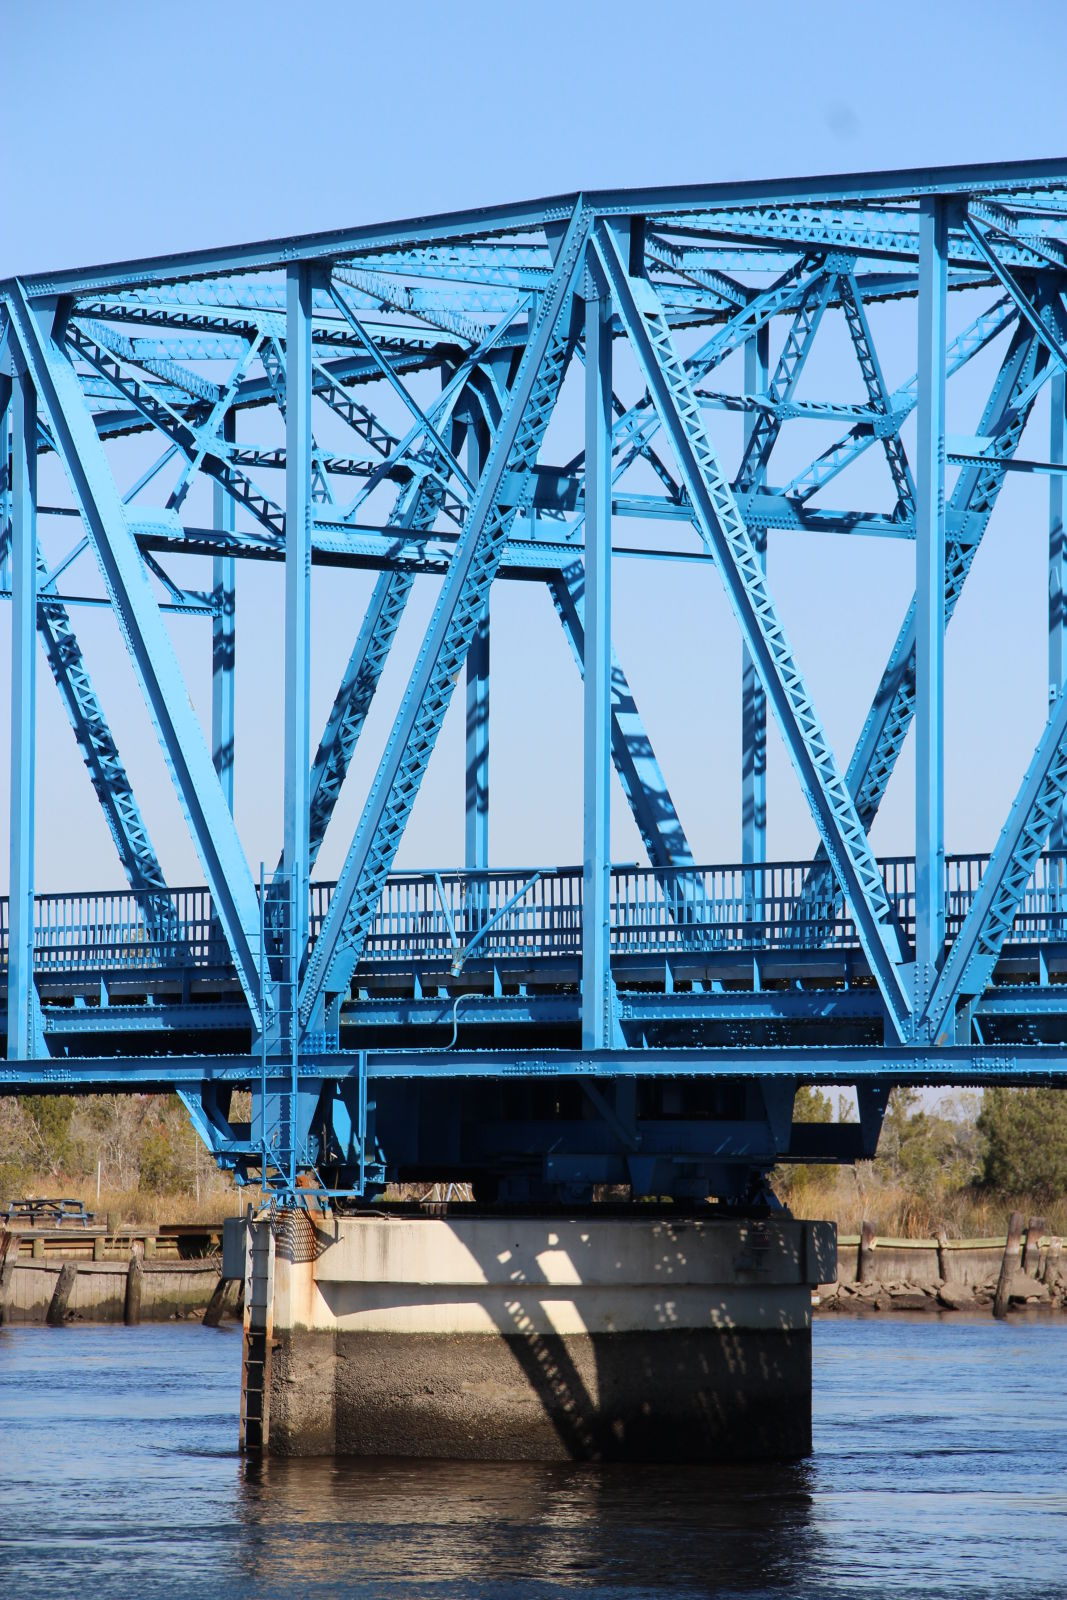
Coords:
pixel 530 915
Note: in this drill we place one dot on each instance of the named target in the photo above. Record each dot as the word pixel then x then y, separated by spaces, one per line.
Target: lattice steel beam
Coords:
pixel 182 740
pixel 458 609
pixel 722 527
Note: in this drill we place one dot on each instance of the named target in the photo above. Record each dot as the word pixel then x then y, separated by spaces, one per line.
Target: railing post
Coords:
pixel 930 601
pixel 297 597
pixel 753 699
pixel 223 635
pixel 597 1011
pixel 20 995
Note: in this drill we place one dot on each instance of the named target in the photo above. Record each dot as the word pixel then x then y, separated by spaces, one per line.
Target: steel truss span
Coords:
pixel 399 399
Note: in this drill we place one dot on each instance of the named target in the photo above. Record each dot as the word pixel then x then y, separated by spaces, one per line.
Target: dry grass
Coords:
pixel 851 1196
pixel 122 1206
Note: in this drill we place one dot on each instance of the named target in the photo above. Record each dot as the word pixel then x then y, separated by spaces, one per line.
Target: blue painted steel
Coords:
pixel 21 1042
pixel 224 635
pixel 930 601
pixel 183 742
pixel 543 1028
pixel 598 998
pixel 725 533
pixel 476 774
pixel 971 506
pixel 973 955
pixel 298 510
pixel 1057 564
pixel 458 609
pixel 753 699
pixel 639 772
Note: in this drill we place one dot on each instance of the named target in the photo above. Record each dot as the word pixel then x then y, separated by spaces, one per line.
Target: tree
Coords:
pixel 795 1184
pixel 160 1163
pixel 49 1118
pixel 1026 1143
pixel 811 1105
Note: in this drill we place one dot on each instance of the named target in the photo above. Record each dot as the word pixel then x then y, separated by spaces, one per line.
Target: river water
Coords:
pixel 940 1468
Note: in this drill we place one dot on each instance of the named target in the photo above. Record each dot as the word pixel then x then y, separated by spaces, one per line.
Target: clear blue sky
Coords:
pixel 138 129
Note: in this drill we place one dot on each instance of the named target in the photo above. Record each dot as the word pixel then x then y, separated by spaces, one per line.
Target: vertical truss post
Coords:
pixel 753 699
pixel 930 602
pixel 20 996
pixel 151 651
pixel 725 535
pixel 297 598
pixel 1057 599
pixel 597 1010
pixel 460 603
pixel 223 636
pixel 476 837
pixel 5 482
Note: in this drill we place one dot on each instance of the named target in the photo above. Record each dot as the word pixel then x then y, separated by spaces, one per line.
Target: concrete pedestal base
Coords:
pixel 545 1339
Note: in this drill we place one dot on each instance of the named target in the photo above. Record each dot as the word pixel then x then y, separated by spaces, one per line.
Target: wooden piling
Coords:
pixel 217 1304
pixel 131 1315
pixel 1053 1257
pixel 9 1249
pixel 1009 1266
pixel 865 1270
pixel 1032 1254
pixel 942 1255
pixel 56 1314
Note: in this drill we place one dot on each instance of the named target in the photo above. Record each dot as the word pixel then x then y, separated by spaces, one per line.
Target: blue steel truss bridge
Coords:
pixel 490 398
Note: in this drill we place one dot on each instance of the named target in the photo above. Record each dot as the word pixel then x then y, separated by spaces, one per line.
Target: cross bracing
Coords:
pixel 403 399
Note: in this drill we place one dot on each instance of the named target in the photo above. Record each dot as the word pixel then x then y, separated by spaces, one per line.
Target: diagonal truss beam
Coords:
pixel 458 610
pixel 976 948
pixel 425 462
pixel 415 511
pixel 107 774
pixel 407 399
pixel 108 356
pixel 973 339
pixel 877 393
pixel 353 700
pixel 181 737
pixel 767 423
pixel 633 431
pixel 728 540
pixel 970 508
pixel 1023 303
pixel 635 761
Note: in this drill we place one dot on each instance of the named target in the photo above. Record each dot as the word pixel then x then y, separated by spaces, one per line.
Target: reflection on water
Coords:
pixel 519 1529
pixel 940 1469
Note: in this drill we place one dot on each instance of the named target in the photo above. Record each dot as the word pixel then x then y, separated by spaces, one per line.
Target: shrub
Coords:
pixel 1026 1143
pixel 49 1117
pixel 160 1167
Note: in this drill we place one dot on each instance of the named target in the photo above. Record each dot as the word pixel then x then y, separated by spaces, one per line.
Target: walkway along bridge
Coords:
pixel 379 398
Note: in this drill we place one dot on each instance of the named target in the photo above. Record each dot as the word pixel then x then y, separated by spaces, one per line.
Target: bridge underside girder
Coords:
pixel 403 399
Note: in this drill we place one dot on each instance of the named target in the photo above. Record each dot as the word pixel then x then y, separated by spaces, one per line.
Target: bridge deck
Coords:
pixel 703 956
pixel 531 916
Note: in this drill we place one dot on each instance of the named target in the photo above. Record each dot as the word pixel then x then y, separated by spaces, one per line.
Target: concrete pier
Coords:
pixel 646 1338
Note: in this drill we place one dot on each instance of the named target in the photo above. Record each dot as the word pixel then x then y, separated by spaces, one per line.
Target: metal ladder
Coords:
pixel 279 963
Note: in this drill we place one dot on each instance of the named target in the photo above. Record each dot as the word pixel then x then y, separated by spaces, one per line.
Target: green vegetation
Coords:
pixel 1025 1134
pixel 138 1152
pixel 962 1166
